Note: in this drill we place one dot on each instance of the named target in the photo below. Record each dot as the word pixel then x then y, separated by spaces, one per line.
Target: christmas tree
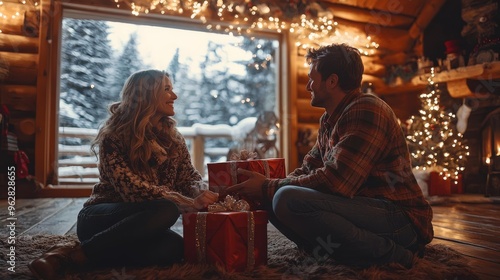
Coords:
pixel 433 140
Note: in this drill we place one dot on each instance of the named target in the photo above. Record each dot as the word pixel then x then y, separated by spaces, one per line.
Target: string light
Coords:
pixel 13 13
pixel 311 25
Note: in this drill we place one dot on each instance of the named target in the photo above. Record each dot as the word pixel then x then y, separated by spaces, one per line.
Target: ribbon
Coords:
pixel 244 155
pixel 200 232
pixel 229 204
pixel 234 167
pixel 251 239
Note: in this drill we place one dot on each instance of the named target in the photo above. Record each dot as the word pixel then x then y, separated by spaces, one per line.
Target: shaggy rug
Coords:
pixel 284 262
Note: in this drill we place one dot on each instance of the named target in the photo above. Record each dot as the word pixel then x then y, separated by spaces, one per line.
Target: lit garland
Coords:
pixel 434 143
pixel 311 24
pixel 13 13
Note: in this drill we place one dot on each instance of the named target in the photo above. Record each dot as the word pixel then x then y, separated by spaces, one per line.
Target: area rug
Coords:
pixel 284 262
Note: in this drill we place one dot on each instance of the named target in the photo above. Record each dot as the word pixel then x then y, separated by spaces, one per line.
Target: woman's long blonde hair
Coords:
pixel 129 119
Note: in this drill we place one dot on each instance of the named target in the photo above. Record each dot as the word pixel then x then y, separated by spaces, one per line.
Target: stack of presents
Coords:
pixel 232 234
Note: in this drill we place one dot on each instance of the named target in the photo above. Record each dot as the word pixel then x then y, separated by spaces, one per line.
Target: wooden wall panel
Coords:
pixel 18 89
pixel 18 43
pixel 18 97
pixel 22 67
pixel 307 113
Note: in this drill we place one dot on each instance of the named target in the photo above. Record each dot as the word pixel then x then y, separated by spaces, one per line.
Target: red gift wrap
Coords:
pixel 457 186
pixel 438 185
pixel 224 174
pixel 236 241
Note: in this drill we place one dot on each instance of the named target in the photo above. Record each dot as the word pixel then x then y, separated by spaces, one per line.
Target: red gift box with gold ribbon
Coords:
pixel 224 174
pixel 236 241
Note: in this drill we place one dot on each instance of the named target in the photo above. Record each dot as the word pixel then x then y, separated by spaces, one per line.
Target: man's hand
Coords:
pixel 206 198
pixel 251 188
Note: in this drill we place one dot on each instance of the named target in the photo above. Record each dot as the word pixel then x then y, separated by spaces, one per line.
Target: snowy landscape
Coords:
pixel 222 82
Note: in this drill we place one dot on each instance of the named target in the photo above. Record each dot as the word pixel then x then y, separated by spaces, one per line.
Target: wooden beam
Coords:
pixel 369 4
pixel 459 88
pixel 45 159
pixel 487 72
pixel 307 113
pixel 18 43
pixel 381 88
pixel 396 58
pixel 20 60
pixel 25 129
pixel 22 68
pixel 385 18
pixel 11 28
pixel 390 39
pixel 289 68
pixel 18 97
pixel 375 69
pixel 428 12
pixel 13 20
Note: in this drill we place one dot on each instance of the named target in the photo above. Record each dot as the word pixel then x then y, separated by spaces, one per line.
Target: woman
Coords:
pixel 146 180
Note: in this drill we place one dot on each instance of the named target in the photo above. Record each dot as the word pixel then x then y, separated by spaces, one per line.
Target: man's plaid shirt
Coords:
pixel 361 151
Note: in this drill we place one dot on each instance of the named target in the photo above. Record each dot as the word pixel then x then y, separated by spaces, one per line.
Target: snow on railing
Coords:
pixel 78 165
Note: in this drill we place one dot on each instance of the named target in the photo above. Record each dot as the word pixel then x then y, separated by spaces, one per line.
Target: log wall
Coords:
pixel 19 59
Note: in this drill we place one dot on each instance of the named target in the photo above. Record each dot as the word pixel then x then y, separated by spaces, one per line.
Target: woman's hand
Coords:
pixel 206 198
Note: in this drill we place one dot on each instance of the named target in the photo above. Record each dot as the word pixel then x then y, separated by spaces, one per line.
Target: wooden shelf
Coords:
pixel 485 71
pixel 466 81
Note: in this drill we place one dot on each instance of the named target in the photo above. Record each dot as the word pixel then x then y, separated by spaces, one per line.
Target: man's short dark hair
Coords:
pixel 340 59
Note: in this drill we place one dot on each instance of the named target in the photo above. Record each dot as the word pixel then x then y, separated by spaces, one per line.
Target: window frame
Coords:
pixel 48 103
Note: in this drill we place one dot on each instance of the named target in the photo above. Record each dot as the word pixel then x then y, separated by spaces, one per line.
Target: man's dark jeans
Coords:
pixel 357 231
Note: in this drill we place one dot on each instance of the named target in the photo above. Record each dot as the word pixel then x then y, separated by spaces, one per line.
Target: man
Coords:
pixel 355 197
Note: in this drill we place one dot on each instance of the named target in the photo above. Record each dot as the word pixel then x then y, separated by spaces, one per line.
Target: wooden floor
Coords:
pixel 473 229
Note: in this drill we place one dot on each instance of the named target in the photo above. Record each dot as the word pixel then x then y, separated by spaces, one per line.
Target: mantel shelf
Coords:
pixel 457 79
pixel 485 71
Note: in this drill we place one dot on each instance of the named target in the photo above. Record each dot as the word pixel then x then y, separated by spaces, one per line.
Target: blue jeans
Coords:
pixel 126 233
pixel 360 231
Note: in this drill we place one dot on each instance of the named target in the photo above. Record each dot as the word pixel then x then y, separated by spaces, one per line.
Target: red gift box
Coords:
pixel 236 241
pixel 438 185
pixel 224 174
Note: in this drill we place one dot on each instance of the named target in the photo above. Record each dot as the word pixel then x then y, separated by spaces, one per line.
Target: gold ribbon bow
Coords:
pixel 244 155
pixel 230 204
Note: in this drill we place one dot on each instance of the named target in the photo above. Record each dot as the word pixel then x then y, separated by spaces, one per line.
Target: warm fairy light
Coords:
pixel 245 17
pixel 16 12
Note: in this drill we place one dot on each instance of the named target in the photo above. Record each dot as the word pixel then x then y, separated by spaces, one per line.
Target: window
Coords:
pixel 221 80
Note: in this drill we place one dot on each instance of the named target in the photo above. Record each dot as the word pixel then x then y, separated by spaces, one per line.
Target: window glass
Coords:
pixel 220 80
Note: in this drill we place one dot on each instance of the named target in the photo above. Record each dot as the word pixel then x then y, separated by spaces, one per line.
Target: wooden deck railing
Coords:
pixel 77 165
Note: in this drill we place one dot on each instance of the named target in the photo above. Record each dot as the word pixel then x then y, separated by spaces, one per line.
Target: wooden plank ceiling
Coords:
pixel 397 26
